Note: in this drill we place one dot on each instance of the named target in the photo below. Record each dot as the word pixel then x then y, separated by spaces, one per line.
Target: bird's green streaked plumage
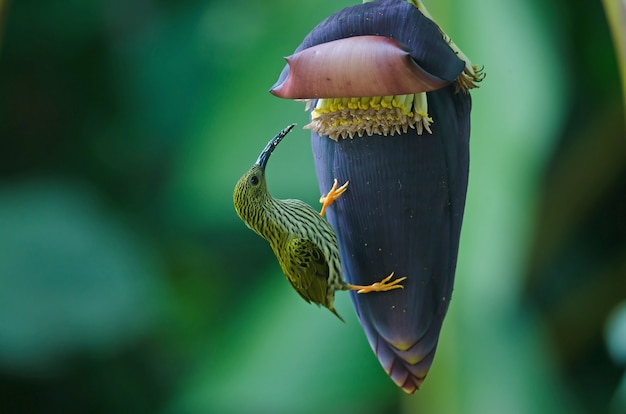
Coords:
pixel 303 241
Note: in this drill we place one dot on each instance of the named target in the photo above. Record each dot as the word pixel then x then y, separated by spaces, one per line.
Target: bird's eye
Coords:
pixel 254 180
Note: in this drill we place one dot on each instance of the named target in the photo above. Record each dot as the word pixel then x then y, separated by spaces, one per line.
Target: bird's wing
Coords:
pixel 307 269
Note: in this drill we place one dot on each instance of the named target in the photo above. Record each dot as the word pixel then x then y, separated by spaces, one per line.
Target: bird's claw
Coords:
pixel 332 195
pixel 383 285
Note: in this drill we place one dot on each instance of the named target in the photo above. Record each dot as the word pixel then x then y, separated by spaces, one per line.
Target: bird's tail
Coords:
pixel 333 310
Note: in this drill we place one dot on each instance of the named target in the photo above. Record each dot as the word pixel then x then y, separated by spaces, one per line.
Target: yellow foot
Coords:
pixel 382 286
pixel 332 195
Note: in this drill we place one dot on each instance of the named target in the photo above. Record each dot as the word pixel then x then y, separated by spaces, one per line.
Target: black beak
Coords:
pixel 269 148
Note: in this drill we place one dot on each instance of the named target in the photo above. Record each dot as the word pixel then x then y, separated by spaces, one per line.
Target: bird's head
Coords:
pixel 251 189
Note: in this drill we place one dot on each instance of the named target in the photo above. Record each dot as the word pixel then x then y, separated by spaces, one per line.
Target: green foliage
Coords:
pixel 74 280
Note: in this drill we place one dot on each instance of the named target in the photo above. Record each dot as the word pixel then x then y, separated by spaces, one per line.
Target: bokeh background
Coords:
pixel 129 285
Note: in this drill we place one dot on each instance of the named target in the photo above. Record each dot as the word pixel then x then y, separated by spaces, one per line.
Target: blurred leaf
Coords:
pixel 615 334
pixel 72 279
pixel 615 337
pixel 616 14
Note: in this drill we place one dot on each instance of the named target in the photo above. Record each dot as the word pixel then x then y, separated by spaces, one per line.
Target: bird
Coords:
pixel 302 240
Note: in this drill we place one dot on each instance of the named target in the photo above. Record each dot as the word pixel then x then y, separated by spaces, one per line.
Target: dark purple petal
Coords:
pixel 402 212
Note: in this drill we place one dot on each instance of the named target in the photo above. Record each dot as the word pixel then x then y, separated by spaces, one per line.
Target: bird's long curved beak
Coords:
pixel 269 148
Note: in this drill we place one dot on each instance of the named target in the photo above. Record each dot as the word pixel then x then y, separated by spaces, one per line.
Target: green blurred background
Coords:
pixel 129 285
